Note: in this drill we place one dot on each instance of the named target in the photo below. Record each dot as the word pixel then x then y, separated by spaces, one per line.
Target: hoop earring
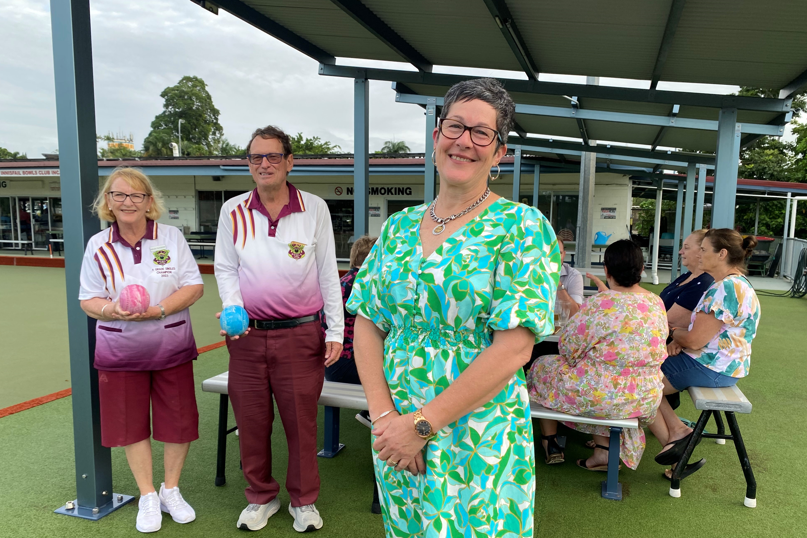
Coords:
pixel 498 173
pixel 434 163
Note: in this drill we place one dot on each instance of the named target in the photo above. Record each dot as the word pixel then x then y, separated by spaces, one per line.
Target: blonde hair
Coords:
pixel 136 180
pixel 360 250
pixel 699 234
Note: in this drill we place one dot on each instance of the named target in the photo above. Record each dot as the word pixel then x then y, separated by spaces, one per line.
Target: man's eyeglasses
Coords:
pixel 481 136
pixel 135 197
pixel 273 158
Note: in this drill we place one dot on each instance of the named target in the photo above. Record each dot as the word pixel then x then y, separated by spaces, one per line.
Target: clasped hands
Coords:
pixel 398 444
pixel 115 312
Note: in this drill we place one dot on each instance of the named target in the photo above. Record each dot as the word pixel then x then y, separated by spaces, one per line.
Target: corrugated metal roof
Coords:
pixel 737 42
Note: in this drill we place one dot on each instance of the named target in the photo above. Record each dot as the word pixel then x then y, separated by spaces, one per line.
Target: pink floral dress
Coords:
pixel 611 351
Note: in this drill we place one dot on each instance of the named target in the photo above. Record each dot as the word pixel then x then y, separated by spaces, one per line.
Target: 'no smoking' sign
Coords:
pixel 338 191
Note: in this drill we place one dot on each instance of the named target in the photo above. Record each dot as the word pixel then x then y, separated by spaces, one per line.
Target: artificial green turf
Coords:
pixel 38 472
pixel 33 319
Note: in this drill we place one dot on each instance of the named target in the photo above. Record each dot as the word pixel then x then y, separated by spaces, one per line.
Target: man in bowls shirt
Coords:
pixel 275 256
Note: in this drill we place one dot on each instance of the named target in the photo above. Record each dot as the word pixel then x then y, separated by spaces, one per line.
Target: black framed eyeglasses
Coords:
pixel 135 197
pixel 481 136
pixel 273 158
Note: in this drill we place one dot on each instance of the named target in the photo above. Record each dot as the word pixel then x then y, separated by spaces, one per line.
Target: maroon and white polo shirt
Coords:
pixel 162 263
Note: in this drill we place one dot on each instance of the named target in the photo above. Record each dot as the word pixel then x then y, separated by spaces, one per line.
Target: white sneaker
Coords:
pixel 364 418
pixel 171 501
pixel 149 517
pixel 255 516
pixel 306 518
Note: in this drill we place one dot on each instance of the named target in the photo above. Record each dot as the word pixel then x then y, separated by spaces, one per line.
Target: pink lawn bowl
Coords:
pixel 134 299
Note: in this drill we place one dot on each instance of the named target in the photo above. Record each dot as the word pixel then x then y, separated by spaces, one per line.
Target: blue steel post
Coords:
pixel 78 164
pixel 701 197
pixel 727 161
pixel 431 123
pixel 690 200
pixel 361 157
pixel 675 271
pixel 536 185
pixel 517 174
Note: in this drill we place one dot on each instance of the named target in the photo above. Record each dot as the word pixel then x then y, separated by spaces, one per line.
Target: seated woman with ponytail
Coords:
pixel 714 350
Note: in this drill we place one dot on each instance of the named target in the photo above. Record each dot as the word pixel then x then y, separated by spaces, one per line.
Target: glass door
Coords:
pixel 40 222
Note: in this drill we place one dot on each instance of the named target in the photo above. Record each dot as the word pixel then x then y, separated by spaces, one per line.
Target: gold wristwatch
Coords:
pixel 423 428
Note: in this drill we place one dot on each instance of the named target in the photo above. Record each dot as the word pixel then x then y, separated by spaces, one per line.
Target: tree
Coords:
pixel 228 149
pixel 118 152
pixel 769 158
pixel 190 102
pixel 395 146
pixel 8 154
pixel 301 145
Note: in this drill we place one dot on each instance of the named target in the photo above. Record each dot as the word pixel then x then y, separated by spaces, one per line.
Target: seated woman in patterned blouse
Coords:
pixel 608 367
pixel 715 348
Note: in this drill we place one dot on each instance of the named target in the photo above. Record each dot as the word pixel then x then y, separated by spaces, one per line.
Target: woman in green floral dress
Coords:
pixel 450 302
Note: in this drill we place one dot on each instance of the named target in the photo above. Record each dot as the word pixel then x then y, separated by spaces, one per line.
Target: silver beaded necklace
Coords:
pixel 441 222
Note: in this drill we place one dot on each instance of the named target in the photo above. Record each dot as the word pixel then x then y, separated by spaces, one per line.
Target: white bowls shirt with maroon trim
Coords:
pixel 161 262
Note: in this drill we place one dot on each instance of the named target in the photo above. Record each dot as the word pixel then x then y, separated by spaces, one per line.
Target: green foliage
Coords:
pixel 647 214
pixel 301 145
pixel 769 158
pixel 189 101
pixel 118 152
pixel 8 154
pixel 395 146
pixel 228 149
pixel 771 218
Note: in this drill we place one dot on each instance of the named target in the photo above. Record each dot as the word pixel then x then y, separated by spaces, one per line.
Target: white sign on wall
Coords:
pixel 28 173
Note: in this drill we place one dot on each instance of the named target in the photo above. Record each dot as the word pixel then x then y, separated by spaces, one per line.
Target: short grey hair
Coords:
pixel 491 92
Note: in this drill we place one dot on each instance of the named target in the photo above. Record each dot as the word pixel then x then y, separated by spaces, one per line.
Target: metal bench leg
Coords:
pixel 675 481
pixel 332 444
pixel 221 450
pixel 611 488
pixel 721 429
pixel 751 483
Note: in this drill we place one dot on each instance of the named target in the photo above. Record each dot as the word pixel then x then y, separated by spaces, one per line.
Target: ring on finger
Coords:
pixel 392 463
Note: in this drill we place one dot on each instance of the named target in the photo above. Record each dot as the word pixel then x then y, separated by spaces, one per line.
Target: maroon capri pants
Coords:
pixel 287 364
pixel 125 398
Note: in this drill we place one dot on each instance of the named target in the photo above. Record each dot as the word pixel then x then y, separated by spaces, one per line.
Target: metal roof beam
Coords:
pixel 617 153
pixel 581 125
pixel 794 87
pixel 281 33
pixel 663 130
pixel 381 30
pixel 676 9
pixel 780 120
pixel 561 88
pixel 619 117
pixel 504 20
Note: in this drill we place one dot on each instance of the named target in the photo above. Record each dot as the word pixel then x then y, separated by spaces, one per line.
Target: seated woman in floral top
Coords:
pixel 344 371
pixel 608 367
pixel 715 348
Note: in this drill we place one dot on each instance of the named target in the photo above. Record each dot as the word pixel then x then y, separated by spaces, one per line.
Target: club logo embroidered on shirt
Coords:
pixel 161 257
pixel 296 250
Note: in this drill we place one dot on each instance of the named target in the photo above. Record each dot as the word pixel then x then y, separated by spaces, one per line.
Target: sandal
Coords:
pixel 554 454
pixel 583 464
pixel 690 469
pixel 674 454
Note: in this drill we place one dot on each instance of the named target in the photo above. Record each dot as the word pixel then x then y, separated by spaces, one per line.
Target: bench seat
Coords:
pixel 337 395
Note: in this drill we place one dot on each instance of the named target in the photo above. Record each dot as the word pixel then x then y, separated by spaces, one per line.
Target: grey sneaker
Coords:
pixel 255 516
pixel 306 518
pixel 149 517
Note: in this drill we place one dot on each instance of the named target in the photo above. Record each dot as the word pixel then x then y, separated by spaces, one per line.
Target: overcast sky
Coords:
pixel 140 48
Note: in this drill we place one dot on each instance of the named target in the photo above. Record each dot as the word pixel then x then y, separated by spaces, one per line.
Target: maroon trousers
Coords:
pixel 289 365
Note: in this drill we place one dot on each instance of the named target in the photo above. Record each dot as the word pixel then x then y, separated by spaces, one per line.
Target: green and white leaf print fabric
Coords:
pixel 497 272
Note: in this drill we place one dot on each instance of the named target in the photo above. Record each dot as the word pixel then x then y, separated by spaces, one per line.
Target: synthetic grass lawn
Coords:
pixel 38 471
pixel 35 360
